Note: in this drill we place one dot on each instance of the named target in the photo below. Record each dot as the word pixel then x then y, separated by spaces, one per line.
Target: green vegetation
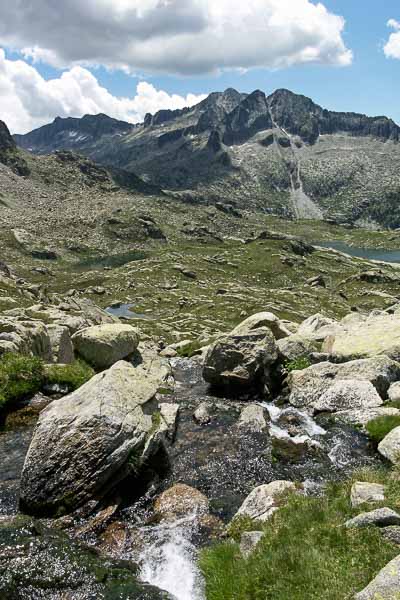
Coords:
pixel 73 375
pixel 298 364
pixel 189 350
pixel 20 376
pixel 306 551
pixel 379 428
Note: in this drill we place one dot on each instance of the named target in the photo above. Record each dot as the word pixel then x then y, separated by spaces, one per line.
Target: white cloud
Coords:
pixel 174 36
pixel 27 100
pixel 392 47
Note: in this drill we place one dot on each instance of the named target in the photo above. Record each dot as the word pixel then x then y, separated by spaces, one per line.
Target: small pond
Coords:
pixel 392 256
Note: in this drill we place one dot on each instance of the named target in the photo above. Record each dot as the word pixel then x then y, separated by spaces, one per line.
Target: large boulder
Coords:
pixel 264 500
pixel 84 444
pixel 366 337
pixel 263 319
pixel 61 344
pixel 104 345
pixel 309 385
pixel 361 416
pixel 385 586
pixel 294 347
pixel 380 517
pixel 348 394
pixel 240 359
pixel 363 492
pixel 390 446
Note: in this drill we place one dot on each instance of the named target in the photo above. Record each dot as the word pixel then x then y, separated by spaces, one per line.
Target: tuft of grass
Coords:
pixel 379 428
pixel 298 364
pixel 393 404
pixel 240 525
pixel 189 350
pixel 20 377
pixel 306 552
pixel 73 375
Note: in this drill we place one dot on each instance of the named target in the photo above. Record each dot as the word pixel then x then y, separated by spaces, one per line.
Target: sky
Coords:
pixel 129 57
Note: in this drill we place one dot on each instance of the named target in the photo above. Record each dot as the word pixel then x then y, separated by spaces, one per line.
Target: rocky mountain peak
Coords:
pixel 6 140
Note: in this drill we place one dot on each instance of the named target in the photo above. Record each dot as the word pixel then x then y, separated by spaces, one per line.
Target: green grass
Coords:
pixel 298 364
pixel 20 377
pixel 73 375
pixel 306 552
pixel 379 428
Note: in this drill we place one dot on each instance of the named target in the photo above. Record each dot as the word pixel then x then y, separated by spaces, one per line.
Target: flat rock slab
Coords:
pixel 264 500
pixel 376 335
pixel 365 493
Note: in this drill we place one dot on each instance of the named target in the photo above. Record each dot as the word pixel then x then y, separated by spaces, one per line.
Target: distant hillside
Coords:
pixel 281 153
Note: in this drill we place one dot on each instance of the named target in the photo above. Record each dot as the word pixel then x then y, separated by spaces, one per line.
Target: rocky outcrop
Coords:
pixel 29 337
pixel 240 360
pixel 9 154
pixel 103 345
pixel 386 584
pixel 87 442
pixel 307 387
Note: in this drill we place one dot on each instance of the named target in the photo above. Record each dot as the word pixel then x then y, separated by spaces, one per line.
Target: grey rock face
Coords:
pixel 29 337
pixel 390 446
pixel 263 319
pixel 264 500
pixel 240 360
pixel 83 442
pixel 348 394
pixel 104 345
pixel 385 586
pixel 294 347
pixel 381 517
pixel 252 418
pixel 392 533
pixel 309 385
pixel 61 344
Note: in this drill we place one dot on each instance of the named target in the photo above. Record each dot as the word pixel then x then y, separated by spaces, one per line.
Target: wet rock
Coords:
pixel 180 501
pixel 348 394
pixel 380 517
pixel 386 584
pixel 390 446
pixel 203 413
pixel 264 500
pixel 252 418
pixel 38 562
pixel 84 444
pixel 168 420
pixel 366 493
pixel 263 319
pixel 61 344
pixel 104 345
pixel 307 386
pixel 249 542
pixel 240 359
pixel 292 449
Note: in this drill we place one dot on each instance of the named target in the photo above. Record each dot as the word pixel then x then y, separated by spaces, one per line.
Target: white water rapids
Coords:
pixel 170 560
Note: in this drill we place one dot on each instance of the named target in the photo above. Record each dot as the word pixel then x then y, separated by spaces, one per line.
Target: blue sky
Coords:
pixel 370 84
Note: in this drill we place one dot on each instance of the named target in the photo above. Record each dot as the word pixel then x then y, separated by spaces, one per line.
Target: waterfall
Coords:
pixel 169 560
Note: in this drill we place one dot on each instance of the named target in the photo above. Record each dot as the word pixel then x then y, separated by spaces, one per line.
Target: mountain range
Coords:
pixel 281 154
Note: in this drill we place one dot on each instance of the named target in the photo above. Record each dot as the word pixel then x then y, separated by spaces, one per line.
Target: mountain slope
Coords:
pixel 282 154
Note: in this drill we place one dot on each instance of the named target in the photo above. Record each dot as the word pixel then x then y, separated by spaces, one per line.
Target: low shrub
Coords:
pixel 379 428
pixel 73 375
pixel 20 377
pixel 298 364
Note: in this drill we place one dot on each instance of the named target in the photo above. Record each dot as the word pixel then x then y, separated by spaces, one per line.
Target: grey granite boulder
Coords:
pixel 84 443
pixel 385 586
pixel 104 345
